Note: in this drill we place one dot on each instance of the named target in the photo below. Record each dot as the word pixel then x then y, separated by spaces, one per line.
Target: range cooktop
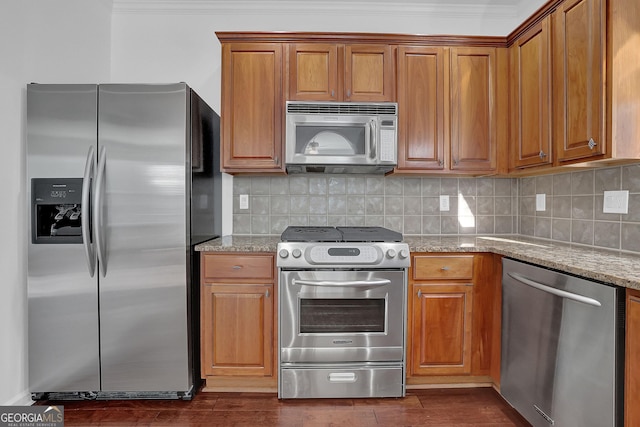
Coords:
pixel 339 234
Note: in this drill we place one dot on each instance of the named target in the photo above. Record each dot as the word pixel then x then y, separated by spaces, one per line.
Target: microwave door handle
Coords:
pixel 372 139
pixel 346 283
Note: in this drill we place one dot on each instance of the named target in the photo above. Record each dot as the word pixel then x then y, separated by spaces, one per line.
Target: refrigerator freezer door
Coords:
pixel 62 296
pixel 142 130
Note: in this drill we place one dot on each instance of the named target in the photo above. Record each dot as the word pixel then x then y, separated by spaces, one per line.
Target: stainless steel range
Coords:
pixel 342 312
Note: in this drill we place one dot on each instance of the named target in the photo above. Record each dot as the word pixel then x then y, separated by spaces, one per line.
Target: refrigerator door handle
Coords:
pixel 98 196
pixel 85 220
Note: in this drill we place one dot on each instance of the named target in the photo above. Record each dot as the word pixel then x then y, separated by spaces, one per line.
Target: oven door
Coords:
pixel 329 316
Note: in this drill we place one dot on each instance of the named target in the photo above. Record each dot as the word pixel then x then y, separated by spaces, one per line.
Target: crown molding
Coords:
pixel 497 9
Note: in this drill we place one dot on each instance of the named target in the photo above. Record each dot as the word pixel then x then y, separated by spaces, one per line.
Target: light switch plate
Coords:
pixel 616 202
pixel 244 201
pixel 444 203
pixel 541 202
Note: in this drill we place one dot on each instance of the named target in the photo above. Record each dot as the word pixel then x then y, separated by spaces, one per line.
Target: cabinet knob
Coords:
pixel 440 162
pixel 333 93
pixel 348 93
pixel 542 154
pixel 267 294
pixel 419 294
pixel 592 143
pixel 455 162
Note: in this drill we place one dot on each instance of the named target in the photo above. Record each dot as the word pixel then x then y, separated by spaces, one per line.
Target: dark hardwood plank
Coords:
pixel 432 407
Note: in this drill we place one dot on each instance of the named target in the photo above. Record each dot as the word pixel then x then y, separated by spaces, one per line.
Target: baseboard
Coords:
pixel 240 384
pixel 437 381
pixel 22 399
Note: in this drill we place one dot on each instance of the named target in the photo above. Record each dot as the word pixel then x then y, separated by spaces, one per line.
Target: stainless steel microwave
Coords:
pixel 341 137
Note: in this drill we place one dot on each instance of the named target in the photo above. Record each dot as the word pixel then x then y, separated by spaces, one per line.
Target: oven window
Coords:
pixel 342 315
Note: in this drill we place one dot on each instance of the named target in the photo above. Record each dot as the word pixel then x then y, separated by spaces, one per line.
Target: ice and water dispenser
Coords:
pixel 57 210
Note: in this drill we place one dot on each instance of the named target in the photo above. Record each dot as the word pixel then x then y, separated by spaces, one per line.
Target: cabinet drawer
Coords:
pixel 458 267
pixel 231 266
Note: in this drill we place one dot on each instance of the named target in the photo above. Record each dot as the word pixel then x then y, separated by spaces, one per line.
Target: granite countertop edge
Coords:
pixel 606 266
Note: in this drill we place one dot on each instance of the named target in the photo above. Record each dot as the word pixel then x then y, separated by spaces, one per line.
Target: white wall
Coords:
pixel 165 41
pixel 80 41
pixel 43 41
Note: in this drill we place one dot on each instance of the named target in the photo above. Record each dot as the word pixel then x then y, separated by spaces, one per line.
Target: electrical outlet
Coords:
pixel 444 203
pixel 616 202
pixel 244 201
pixel 541 202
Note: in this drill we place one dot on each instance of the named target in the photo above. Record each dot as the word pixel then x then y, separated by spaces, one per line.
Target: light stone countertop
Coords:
pixel 606 266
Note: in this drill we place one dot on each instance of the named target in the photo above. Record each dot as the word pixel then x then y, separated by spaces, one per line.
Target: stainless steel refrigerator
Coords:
pixel 123 180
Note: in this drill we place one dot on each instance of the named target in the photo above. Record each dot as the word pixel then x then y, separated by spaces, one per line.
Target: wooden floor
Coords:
pixel 442 407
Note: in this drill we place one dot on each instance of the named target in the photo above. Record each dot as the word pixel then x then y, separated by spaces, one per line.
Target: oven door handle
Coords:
pixel 345 283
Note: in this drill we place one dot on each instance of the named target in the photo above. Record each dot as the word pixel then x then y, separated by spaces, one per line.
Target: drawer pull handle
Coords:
pixel 419 294
pixel 342 377
pixel 445 268
pixel 266 294
pixel 237 267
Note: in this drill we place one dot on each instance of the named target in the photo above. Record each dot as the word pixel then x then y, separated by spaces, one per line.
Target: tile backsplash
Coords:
pixel 574 204
pixel 405 204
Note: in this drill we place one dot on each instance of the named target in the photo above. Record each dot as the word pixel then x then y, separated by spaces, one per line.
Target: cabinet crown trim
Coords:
pixel 336 37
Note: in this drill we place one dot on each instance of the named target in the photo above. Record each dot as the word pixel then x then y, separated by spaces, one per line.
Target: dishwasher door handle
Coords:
pixel 555 291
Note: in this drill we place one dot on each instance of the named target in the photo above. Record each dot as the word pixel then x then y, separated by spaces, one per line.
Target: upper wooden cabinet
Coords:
pixel 595 90
pixel 421 108
pixel 530 93
pixel 252 107
pixel 474 108
pixel 578 79
pixel 339 72
pixel 448 107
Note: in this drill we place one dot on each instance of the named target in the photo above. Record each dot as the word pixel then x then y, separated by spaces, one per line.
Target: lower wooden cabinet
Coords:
pixel 441 329
pixel 238 333
pixel 453 318
pixel 632 360
pixel 239 321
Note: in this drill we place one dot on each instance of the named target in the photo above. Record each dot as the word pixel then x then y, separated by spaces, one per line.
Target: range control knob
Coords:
pixel 404 253
pixel 297 253
pixel 391 253
pixel 283 253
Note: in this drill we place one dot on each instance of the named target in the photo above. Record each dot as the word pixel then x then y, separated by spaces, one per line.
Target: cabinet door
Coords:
pixel 237 330
pixel 474 120
pixel 531 98
pixel 313 72
pixel 421 97
pixel 632 360
pixel 252 107
pixel 441 341
pixel 578 88
pixel 368 73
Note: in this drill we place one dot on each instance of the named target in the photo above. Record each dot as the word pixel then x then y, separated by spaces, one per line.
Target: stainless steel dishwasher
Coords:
pixel 562 347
